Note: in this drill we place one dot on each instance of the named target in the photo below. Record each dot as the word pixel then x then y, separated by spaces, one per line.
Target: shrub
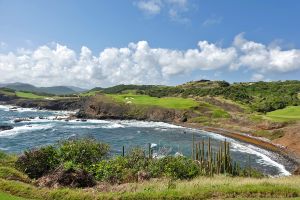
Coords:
pixel 177 167
pixel 83 152
pixel 36 163
pixel 113 170
pixel 137 159
pixel 2 155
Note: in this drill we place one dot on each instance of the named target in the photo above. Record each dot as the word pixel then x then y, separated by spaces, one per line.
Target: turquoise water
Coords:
pixel 49 127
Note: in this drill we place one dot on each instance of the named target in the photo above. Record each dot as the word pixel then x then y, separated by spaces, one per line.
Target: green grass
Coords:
pixel 290 113
pixel 7 93
pixel 29 95
pixel 166 102
pixel 4 196
pixel 89 93
pixel 218 187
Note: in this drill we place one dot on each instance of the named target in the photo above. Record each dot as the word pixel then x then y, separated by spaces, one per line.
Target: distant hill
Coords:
pixel 58 90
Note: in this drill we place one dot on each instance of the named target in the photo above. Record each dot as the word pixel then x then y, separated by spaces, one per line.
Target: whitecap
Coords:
pixel 5 107
pixel 264 156
pixel 147 124
pixel 113 125
pixel 22 129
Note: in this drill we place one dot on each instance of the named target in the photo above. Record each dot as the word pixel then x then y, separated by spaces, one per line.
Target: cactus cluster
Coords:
pixel 215 162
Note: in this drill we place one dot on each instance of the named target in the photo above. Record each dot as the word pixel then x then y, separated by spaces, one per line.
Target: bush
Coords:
pixel 113 171
pixel 137 159
pixel 36 163
pixel 83 152
pixel 176 167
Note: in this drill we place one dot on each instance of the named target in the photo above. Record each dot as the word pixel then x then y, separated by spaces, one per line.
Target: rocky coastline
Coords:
pixel 101 109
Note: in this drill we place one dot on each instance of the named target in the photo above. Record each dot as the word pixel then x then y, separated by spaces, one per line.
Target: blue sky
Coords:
pixel 101 43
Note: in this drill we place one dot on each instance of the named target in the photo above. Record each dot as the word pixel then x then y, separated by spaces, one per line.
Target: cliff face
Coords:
pixel 65 104
pixel 103 108
pixel 5 98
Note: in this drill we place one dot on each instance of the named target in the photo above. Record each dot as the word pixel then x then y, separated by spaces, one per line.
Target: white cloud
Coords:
pixel 264 58
pixel 257 77
pixel 138 63
pixel 152 7
pixel 174 8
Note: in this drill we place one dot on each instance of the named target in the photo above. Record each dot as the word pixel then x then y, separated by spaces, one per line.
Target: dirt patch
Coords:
pixel 291 139
pixel 60 177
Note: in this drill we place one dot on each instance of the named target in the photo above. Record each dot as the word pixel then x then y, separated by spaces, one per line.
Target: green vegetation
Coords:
pixel 258 96
pixel 220 187
pixel 269 134
pixel 178 177
pixel 7 91
pixel 290 113
pixel 29 95
pixel 89 93
pixel 166 102
pixel 5 196
pixel 86 155
pixel 82 152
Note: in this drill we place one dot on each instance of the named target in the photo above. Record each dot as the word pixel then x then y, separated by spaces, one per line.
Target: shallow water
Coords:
pixel 48 130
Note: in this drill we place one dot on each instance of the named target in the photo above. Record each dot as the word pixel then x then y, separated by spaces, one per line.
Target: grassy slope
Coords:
pixel 287 114
pixel 219 187
pixel 167 102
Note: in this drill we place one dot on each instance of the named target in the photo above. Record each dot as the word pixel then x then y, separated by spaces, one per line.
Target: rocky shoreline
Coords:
pixel 108 110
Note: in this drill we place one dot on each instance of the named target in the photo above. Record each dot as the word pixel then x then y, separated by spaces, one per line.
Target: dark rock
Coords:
pixel 21 120
pixel 183 118
pixel 5 127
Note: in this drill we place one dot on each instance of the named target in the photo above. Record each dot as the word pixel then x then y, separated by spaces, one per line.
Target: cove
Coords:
pixel 49 127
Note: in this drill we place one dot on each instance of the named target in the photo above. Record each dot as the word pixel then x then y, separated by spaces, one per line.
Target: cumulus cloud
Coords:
pixel 265 58
pixel 139 63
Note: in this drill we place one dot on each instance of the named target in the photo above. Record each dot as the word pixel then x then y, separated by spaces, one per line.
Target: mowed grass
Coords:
pixel 290 113
pixel 29 95
pixel 165 102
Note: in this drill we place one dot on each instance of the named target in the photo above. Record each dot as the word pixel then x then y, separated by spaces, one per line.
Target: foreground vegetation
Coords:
pixel 58 170
pixel 219 187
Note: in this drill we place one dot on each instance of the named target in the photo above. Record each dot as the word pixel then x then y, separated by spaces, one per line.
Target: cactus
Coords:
pixel 193 147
